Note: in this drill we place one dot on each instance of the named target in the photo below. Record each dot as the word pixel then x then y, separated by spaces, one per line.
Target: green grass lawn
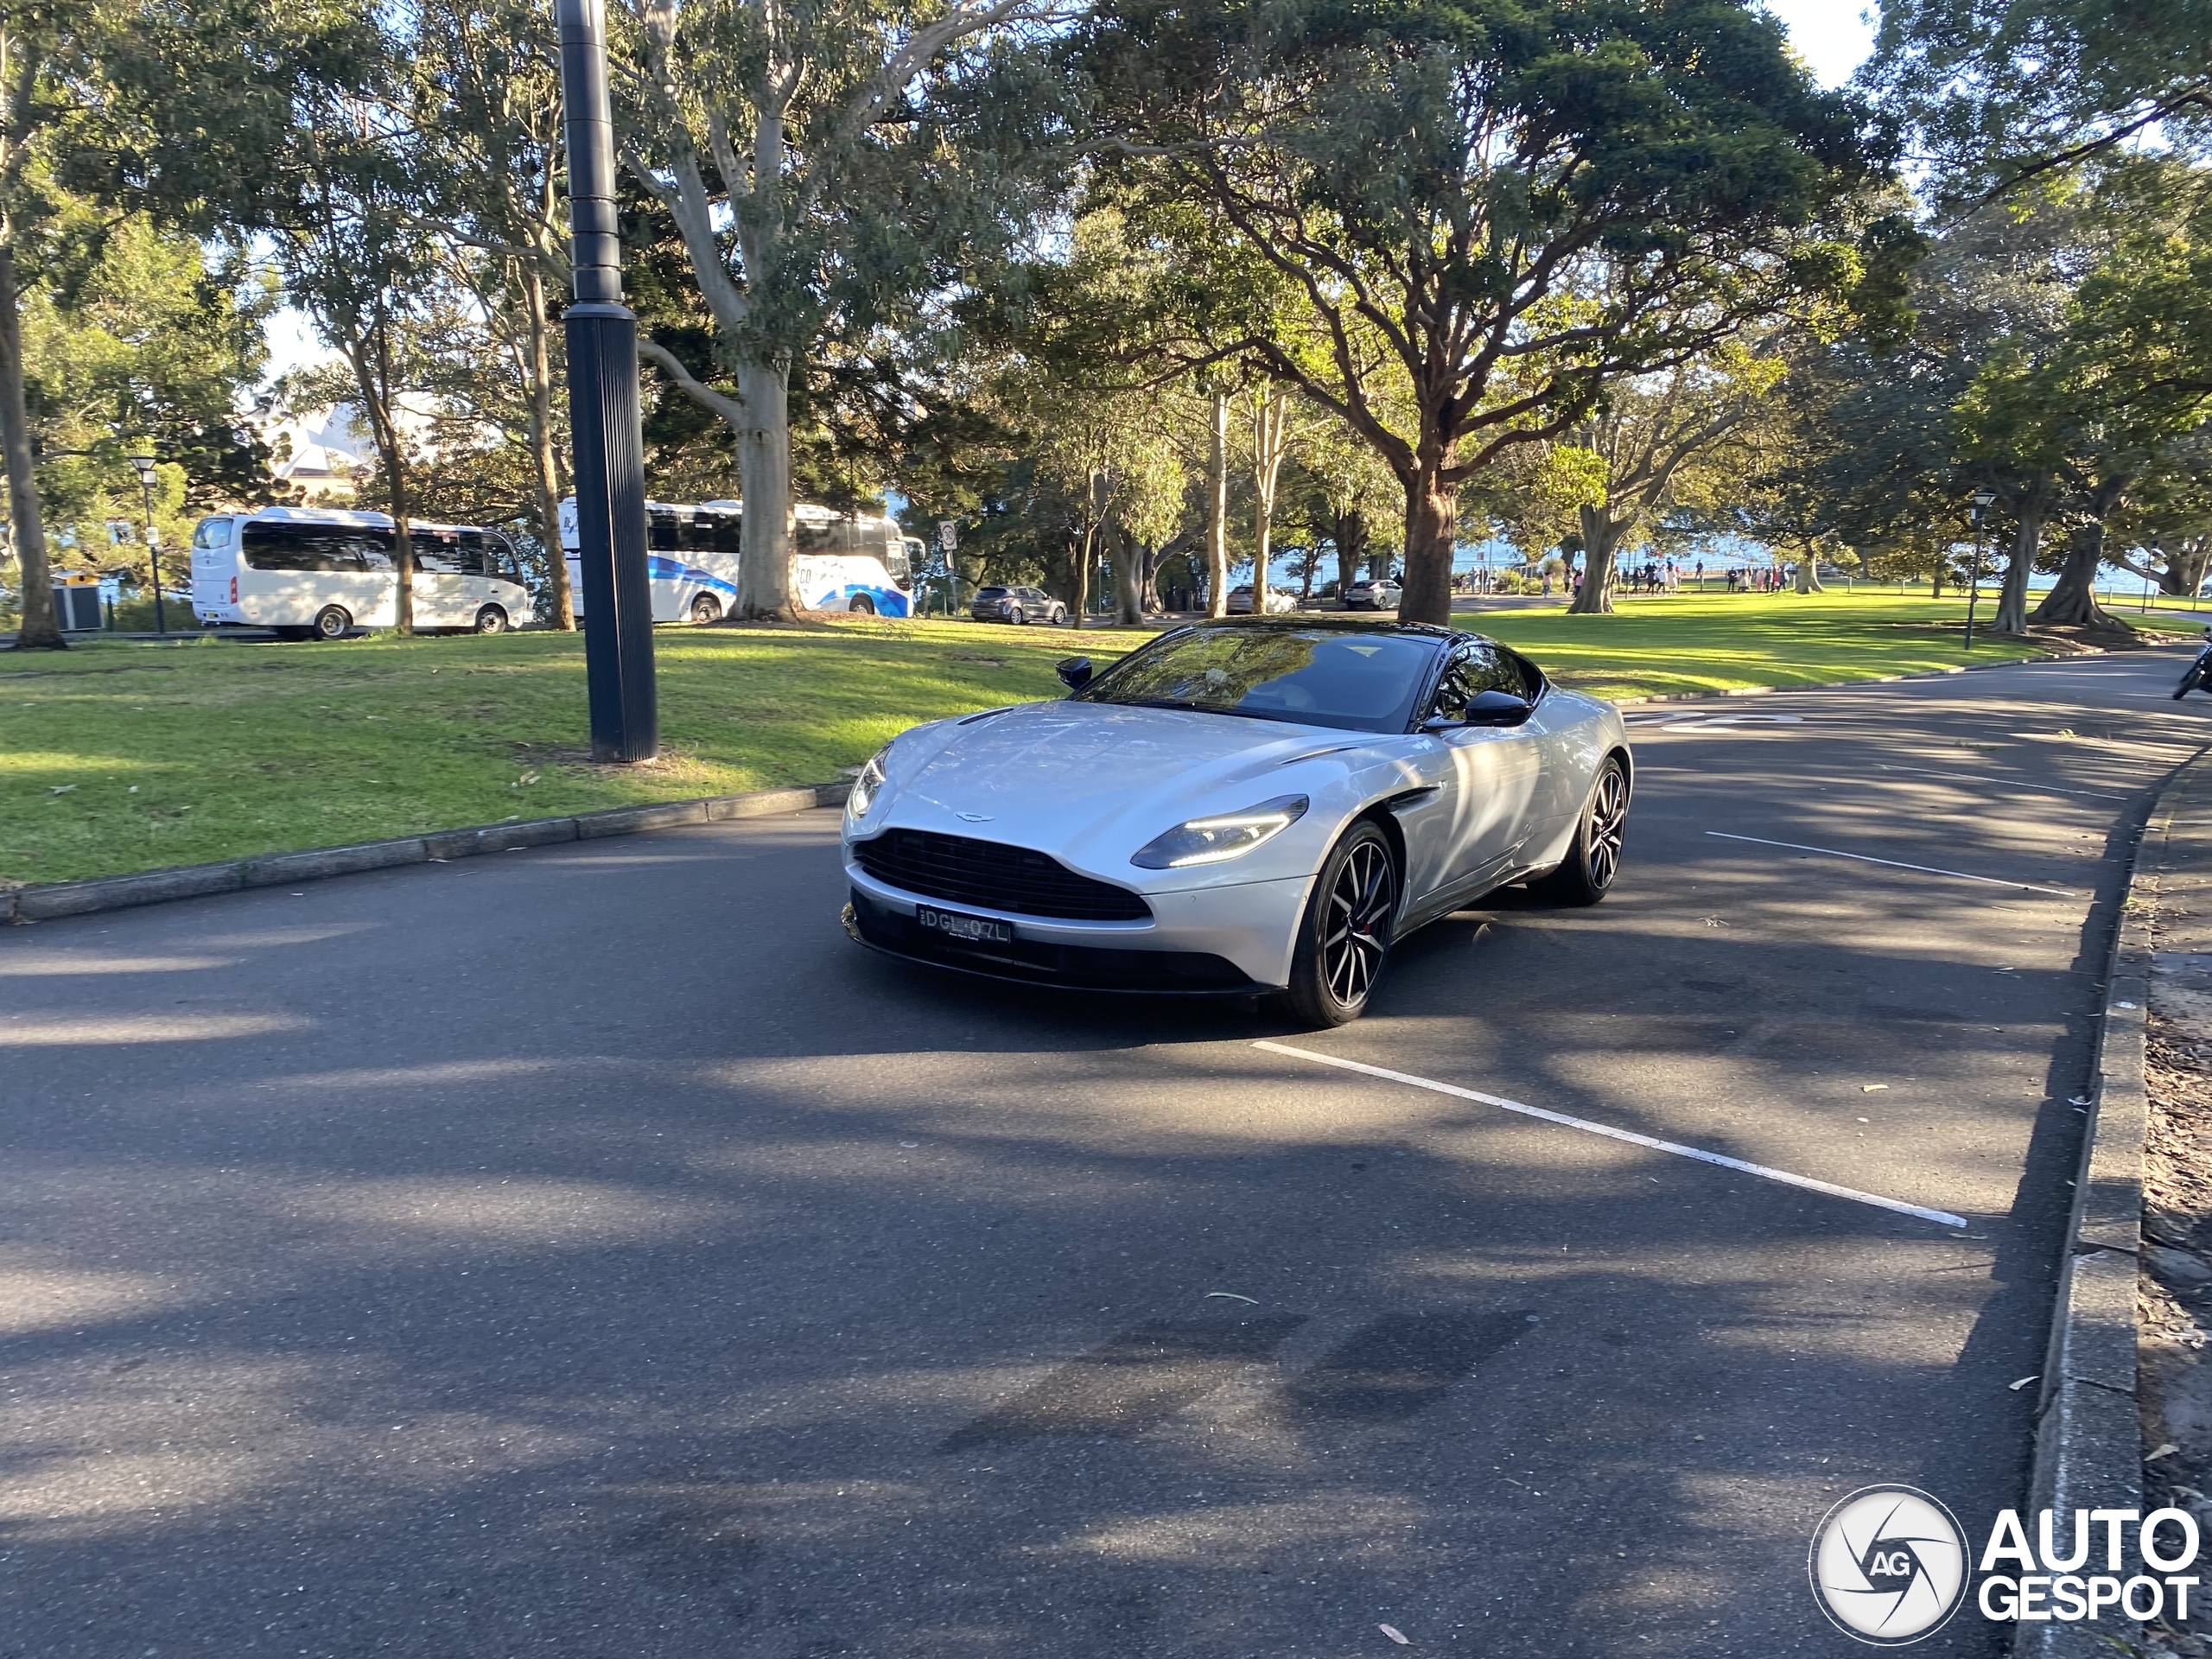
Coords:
pixel 1719 642
pixel 119 756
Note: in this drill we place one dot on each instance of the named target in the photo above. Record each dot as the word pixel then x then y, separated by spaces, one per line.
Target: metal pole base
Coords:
pixel 610 531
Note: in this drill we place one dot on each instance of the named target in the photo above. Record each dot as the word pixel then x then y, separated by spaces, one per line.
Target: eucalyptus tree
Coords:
pixel 1645 436
pixel 1526 200
pixel 487 80
pixel 815 156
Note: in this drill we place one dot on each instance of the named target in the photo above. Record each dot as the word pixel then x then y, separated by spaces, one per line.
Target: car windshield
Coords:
pixel 1314 677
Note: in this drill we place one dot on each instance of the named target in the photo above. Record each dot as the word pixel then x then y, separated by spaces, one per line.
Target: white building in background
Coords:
pixel 322 452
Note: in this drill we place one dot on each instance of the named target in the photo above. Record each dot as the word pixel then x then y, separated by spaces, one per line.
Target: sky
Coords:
pixel 1831 36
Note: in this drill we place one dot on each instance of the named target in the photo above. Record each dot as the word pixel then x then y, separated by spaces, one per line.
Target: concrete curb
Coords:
pixel 2088 1449
pixel 439 847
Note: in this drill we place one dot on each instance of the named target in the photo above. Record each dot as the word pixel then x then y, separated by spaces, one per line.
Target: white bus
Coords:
pixel 838 562
pixel 312 573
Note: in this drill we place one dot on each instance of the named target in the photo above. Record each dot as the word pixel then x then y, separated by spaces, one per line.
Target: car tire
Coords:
pixel 491 620
pixel 1015 617
pixel 706 610
pixel 332 622
pixel 1594 859
pixel 861 604
pixel 1343 937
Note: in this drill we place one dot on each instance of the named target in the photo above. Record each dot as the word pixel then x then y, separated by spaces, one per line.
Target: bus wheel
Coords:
pixel 491 620
pixel 332 623
pixel 862 604
pixel 706 609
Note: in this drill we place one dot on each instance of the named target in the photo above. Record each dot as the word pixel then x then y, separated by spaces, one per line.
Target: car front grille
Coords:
pixel 963 870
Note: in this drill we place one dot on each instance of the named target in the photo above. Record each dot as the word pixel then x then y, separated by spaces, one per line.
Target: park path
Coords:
pixel 586 1251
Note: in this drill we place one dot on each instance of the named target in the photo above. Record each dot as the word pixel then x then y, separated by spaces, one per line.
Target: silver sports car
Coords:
pixel 1238 808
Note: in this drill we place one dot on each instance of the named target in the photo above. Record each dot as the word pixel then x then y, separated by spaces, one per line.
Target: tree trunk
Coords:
pixel 2013 598
pixel 2072 601
pixel 1431 531
pixel 1936 582
pixel 1217 508
pixel 1351 537
pixel 1600 538
pixel 545 465
pixel 1808 575
pixel 764 469
pixel 42 627
pixel 1121 558
pixel 1085 555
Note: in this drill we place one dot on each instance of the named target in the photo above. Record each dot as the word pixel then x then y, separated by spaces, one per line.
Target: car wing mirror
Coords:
pixel 1498 708
pixel 1074 672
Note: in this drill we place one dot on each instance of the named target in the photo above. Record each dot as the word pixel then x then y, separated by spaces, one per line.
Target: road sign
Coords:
pixel 948 535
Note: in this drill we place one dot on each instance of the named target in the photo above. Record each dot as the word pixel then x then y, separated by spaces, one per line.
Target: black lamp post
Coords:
pixel 145 465
pixel 609 453
pixel 1981 501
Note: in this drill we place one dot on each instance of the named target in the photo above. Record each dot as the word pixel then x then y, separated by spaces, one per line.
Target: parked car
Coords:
pixel 1279 602
pixel 1017 606
pixel 1236 808
pixel 1375 594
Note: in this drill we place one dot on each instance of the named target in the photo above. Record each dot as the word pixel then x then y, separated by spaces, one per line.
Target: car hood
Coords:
pixel 1090 781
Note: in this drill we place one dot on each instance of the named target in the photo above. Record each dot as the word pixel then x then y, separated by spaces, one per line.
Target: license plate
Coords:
pixel 980 930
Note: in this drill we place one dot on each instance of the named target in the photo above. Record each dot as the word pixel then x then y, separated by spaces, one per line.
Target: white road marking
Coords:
pixel 1895 864
pixel 1942 1216
pixel 2009 783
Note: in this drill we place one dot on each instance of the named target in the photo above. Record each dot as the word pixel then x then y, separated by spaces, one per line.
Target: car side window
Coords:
pixel 1457 686
pixel 1471 670
pixel 1524 679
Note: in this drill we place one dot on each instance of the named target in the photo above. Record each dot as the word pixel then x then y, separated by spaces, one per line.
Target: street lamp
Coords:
pixel 602 337
pixel 1982 498
pixel 145 465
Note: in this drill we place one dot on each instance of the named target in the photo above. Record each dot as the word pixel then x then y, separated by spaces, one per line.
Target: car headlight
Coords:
pixel 1229 835
pixel 867 784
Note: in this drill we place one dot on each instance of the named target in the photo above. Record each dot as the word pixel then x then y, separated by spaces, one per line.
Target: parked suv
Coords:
pixel 1017 606
pixel 1240 601
pixel 1375 594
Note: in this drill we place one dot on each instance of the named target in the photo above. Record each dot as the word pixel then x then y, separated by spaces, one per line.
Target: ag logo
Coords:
pixel 1889 1564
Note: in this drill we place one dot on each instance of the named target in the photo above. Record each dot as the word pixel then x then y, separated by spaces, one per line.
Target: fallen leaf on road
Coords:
pixel 2023 1383
pixel 1231 1295
pixel 1872 1088
pixel 1396 1635
pixel 2166 1451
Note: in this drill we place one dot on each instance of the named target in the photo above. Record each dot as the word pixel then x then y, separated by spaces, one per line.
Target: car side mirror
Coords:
pixel 1498 708
pixel 1074 672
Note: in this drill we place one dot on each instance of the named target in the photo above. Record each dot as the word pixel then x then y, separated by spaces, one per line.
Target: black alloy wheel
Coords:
pixel 1343 940
pixel 1595 858
pixel 332 623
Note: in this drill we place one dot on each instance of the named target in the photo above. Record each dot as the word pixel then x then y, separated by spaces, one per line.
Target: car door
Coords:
pixel 1494 777
pixel 1568 744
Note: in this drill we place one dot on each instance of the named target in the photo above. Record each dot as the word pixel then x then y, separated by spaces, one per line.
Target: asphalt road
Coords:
pixel 590 1252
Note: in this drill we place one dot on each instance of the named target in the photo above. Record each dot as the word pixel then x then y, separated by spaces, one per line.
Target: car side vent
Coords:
pixel 963 870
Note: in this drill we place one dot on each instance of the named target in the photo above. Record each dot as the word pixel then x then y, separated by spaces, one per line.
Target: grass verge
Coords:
pixel 119 756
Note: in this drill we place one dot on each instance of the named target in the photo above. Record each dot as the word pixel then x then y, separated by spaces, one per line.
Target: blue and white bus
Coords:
pixel 839 563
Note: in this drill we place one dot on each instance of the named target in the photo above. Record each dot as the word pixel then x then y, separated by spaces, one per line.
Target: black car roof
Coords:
pixel 1339 622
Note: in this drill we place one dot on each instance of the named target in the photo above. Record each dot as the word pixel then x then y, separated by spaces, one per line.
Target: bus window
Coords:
pixel 816 536
pixel 894 560
pixel 212 533
pixel 491 555
pixel 315 547
pixel 698 534
pixel 442 553
pixel 663 533
pixel 728 531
